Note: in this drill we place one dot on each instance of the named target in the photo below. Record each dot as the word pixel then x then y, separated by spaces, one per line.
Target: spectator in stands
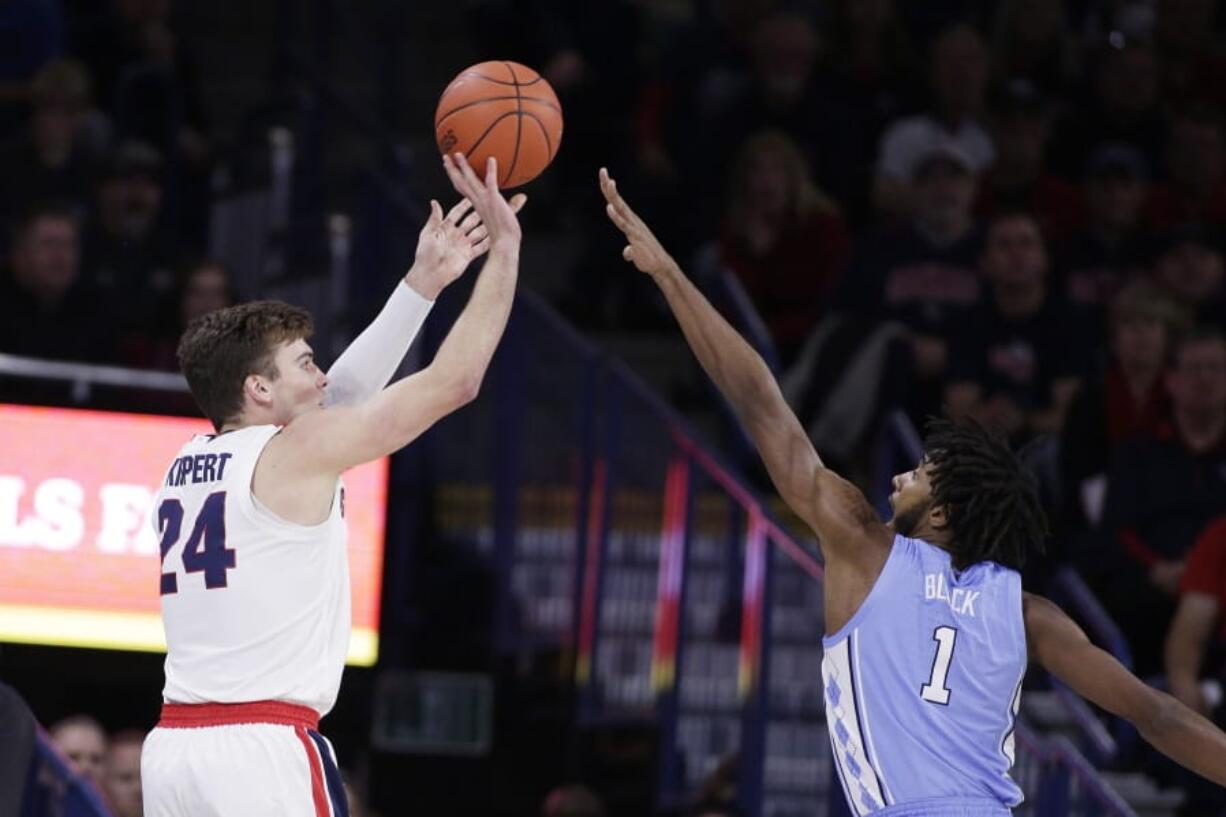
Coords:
pixel 922 275
pixel 127 251
pixel 885 343
pixel 572 800
pixel 958 76
pixel 1191 63
pixel 1196 170
pixel 1125 401
pixel 868 64
pixel 783 238
pixel 1124 108
pixel 1199 630
pixel 780 94
pixel 1093 263
pixel 1017 179
pixel 203 286
pixel 33 34
pixel 1031 39
pixel 121 774
pixel 1015 361
pixel 1196 648
pixel 1161 492
pixel 145 75
pixel 45 309
pixel 83 741
pixel 1190 267
pixel 51 160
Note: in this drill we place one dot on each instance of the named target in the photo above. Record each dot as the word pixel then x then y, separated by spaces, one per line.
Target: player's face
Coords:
pixel 911 499
pixel 300 384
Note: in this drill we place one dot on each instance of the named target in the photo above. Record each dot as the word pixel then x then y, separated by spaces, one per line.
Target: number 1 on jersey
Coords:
pixel 935 690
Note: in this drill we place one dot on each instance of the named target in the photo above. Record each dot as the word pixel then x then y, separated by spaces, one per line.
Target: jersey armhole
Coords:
pixel 900 550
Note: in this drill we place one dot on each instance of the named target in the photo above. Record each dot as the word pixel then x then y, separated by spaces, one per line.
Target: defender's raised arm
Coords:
pixel 831 505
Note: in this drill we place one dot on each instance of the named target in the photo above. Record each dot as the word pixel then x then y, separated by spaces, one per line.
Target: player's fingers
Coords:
pixel 628 253
pixel 471 221
pixel 479 234
pixel 491 175
pixel 458 181
pixel 481 247
pixel 518 201
pixel 436 214
pixel 471 183
pixel 456 213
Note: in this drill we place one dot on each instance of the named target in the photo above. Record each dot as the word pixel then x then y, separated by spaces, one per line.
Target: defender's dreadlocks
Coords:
pixel 991 502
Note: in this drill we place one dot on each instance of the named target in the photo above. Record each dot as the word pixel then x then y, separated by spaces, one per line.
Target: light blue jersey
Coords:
pixel 922 687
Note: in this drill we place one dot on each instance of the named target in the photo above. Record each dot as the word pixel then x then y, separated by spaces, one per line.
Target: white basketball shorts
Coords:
pixel 240 760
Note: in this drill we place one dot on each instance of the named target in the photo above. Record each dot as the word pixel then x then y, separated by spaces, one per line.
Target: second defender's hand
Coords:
pixel 644 249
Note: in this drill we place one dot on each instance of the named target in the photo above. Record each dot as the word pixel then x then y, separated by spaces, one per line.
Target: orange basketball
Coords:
pixel 505 110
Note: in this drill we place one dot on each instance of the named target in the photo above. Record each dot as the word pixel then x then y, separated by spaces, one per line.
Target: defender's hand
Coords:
pixel 644 249
pixel 494 211
pixel 448 244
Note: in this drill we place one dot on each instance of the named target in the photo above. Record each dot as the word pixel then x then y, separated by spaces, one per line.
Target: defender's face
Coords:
pixel 911 498
pixel 299 388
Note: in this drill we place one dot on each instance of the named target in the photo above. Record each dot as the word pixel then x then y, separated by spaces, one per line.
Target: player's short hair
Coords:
pixel 990 497
pixel 219 350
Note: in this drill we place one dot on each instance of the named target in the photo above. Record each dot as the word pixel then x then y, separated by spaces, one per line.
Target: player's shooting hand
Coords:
pixel 449 243
pixel 495 212
pixel 644 249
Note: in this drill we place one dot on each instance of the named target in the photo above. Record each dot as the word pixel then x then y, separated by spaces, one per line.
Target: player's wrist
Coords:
pixel 425 282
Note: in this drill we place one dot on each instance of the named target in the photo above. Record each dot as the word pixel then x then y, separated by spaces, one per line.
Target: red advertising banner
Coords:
pixel 78 556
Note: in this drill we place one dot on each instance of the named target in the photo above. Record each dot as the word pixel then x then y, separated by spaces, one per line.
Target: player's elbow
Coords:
pixel 1156 714
pixel 459 389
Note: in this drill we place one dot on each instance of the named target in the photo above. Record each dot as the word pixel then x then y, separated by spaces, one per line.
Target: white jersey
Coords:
pixel 255 607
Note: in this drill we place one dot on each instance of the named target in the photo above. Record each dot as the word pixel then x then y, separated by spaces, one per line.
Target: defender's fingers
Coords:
pixel 436 213
pixel 470 222
pixel 479 234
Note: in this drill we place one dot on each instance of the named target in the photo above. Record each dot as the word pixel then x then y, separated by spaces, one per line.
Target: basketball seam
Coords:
pixel 519 123
pixel 540 100
pixel 481 138
pixel 497 81
pixel 544 132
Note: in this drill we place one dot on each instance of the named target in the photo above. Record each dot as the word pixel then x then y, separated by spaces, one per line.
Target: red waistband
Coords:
pixel 184 716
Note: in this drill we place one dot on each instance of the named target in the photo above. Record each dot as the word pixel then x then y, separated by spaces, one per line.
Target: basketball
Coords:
pixel 505 110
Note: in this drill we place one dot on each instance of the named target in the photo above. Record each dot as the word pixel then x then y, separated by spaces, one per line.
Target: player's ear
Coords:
pixel 937 517
pixel 257 389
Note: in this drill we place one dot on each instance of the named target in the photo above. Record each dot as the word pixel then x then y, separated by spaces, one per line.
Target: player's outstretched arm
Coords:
pixel 1060 646
pixel 445 248
pixel 330 441
pixel 833 507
